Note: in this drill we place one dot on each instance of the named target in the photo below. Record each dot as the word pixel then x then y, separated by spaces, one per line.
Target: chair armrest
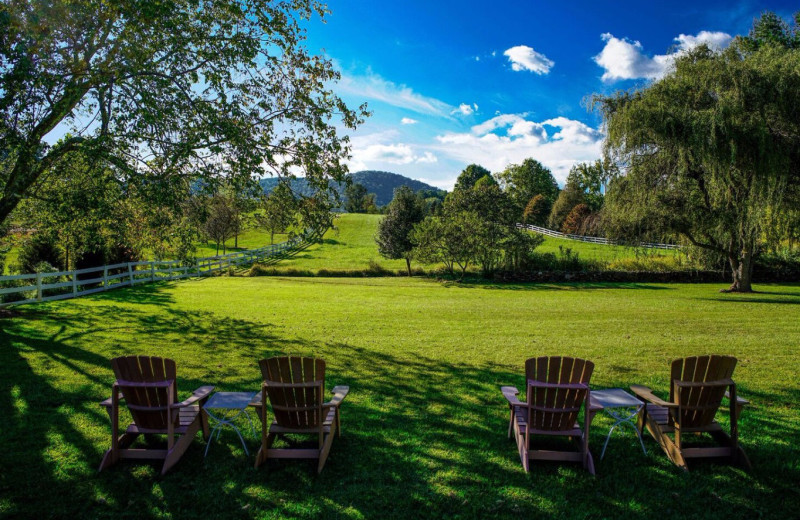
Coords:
pixel 107 402
pixel 510 393
pixel 645 393
pixel 339 393
pixel 198 395
pixel 739 400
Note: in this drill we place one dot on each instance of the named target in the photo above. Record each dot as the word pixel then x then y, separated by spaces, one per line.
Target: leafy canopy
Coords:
pixel 709 149
pixel 205 88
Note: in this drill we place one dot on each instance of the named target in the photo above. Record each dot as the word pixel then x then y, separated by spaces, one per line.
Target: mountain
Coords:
pixel 382 184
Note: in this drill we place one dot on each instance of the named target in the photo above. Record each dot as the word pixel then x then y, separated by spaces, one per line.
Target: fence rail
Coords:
pixel 593 240
pixel 42 287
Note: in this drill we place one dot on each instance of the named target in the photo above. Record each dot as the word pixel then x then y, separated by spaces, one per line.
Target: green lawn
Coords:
pixel 600 252
pixel 248 239
pixel 350 245
pixel 424 425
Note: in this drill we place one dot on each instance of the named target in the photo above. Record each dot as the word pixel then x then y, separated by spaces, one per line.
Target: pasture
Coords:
pixel 424 426
pixel 350 246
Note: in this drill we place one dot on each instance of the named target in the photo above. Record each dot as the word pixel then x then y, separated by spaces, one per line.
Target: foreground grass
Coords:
pixel 424 425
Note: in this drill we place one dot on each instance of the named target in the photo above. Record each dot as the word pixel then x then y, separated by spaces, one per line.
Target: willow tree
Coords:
pixel 707 151
pixel 185 88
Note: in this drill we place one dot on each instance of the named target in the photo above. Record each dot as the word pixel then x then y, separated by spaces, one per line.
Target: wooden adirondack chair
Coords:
pixel 148 386
pixel 557 388
pixel 295 387
pixel 697 387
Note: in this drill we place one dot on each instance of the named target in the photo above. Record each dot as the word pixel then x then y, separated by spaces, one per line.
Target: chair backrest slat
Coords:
pixel 552 408
pixel 295 406
pixel 699 402
pixel 148 404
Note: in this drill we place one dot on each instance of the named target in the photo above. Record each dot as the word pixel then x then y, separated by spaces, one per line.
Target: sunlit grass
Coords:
pixel 424 425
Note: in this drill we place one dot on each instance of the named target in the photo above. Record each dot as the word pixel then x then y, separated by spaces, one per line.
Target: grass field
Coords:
pixel 351 246
pixel 424 426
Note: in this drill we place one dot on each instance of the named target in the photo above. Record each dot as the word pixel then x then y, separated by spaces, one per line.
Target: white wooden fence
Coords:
pixel 42 287
pixel 594 240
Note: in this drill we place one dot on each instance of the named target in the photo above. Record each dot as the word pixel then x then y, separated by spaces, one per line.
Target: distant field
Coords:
pixel 248 239
pixel 351 246
pixel 600 252
pixel 424 426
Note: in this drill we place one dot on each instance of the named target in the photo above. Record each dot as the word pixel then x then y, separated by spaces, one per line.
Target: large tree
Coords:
pixel 355 198
pixel 469 176
pixel 709 149
pixel 394 230
pixel 572 195
pixel 161 89
pixel 278 210
pixel 526 180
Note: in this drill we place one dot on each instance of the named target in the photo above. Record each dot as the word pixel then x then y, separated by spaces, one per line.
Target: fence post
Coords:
pixel 74 284
pixel 105 277
pixel 152 272
pixel 130 274
pixel 38 287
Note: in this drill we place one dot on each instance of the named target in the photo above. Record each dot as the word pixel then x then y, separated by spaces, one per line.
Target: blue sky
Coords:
pixel 451 83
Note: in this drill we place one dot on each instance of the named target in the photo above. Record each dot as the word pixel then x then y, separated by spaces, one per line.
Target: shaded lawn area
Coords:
pixel 424 426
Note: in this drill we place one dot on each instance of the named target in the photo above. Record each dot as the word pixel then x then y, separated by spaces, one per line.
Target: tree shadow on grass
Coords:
pixel 422 437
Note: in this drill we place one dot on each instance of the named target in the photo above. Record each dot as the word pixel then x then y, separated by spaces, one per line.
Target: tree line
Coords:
pixel 709 155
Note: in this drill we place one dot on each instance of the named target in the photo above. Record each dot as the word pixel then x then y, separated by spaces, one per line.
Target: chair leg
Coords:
pixel 180 446
pixel 323 454
pixel 670 448
pixel 588 462
pixel 110 458
pixel 204 424
pixel 261 456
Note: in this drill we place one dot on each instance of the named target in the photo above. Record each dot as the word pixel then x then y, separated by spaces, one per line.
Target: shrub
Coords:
pixel 574 221
pixel 537 210
pixel 40 247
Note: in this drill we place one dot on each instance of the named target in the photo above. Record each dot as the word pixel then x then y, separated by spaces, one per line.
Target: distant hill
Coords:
pixel 382 184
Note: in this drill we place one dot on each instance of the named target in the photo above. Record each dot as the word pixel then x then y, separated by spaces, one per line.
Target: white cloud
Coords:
pixel 376 154
pixel 511 138
pixel 715 40
pixel 622 58
pixel 523 57
pixel 466 109
pixel 373 86
pixel 408 121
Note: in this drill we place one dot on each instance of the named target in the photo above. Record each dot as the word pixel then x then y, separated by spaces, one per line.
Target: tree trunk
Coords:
pixel 236 241
pixel 408 265
pixel 742 271
pixel 272 236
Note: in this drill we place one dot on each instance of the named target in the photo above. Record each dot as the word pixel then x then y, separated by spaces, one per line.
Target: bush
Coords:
pixel 40 247
pixel 574 222
pixel 537 210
